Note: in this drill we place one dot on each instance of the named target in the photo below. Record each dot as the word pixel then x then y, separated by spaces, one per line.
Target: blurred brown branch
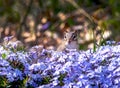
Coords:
pixel 82 11
pixel 19 32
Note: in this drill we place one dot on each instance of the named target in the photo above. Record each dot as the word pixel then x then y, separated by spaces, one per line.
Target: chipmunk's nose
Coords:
pixel 70 40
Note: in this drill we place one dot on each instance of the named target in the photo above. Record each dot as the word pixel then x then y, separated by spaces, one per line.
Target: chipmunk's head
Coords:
pixel 70 36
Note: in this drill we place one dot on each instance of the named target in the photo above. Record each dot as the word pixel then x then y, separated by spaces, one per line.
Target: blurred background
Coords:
pixel 43 22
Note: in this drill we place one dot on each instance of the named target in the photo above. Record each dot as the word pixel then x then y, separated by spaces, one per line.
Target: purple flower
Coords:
pixel 6 39
pixel 38 67
pixel 4 63
pixel 17 74
pixel 46 25
pixel 73 69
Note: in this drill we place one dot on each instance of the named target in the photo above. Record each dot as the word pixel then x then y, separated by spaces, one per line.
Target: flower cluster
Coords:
pixel 40 68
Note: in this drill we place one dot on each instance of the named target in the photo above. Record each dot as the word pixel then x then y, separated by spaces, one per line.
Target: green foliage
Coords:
pixel 70 22
pixel 45 80
pixel 17 84
pixel 104 62
pixel 8 11
pixel 3 82
pixel 82 46
pixel 115 6
pixel 62 76
pixel 21 48
pixel 13 16
pixel 3 55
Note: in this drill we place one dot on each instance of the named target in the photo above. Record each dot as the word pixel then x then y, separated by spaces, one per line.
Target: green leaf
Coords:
pixel 4 55
pixel 3 82
pixel 70 21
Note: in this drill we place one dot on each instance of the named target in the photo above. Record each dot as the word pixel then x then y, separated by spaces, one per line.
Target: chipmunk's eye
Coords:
pixel 65 37
pixel 74 37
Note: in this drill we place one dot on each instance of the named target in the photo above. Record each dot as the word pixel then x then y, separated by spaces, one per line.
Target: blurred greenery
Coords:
pixel 3 82
pixel 35 17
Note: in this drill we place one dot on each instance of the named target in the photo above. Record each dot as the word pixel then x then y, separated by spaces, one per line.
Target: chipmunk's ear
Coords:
pixel 65 34
pixel 66 31
pixel 76 32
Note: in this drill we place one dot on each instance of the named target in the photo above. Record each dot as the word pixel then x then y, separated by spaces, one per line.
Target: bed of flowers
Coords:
pixel 41 68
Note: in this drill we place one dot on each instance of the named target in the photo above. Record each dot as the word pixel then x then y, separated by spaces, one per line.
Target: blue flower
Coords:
pixel 38 67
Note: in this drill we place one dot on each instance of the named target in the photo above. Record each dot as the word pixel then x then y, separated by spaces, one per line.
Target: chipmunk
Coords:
pixel 69 41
